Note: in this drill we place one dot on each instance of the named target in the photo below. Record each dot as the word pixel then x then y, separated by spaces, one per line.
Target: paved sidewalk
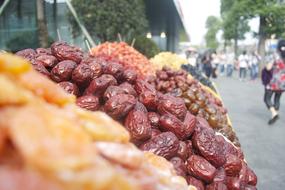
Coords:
pixel 263 145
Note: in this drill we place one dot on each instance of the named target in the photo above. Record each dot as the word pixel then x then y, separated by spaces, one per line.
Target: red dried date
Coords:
pixel 112 91
pixel 28 54
pixel 63 71
pixel 69 88
pixel 82 75
pixel 233 183
pixel 216 186
pixel 99 85
pixel 153 118
pixel 43 51
pixel 149 99
pixel 63 51
pixel 205 141
pixel 165 145
pixel 172 105
pixel 189 147
pixel 154 132
pixel 243 173
pixel 232 166
pixel 190 124
pixel 200 168
pixel 129 75
pixel 140 107
pixel 251 177
pixel 138 125
pixel 179 166
pixel 47 60
pixel 94 65
pixel 195 182
pixel 41 69
pixel 120 105
pixel 183 150
pixel 141 85
pixel 88 102
pixel 115 69
pixel 170 123
pixel 220 176
pixel 128 88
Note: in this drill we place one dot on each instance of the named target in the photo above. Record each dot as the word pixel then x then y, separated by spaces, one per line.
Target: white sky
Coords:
pixel 196 13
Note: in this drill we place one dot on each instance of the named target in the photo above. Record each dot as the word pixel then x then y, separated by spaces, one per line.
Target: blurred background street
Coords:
pixel 262 144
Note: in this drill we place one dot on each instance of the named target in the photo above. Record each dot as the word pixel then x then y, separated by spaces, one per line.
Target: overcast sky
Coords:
pixel 196 13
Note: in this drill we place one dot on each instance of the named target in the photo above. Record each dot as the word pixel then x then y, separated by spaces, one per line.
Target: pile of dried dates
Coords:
pixel 199 101
pixel 158 122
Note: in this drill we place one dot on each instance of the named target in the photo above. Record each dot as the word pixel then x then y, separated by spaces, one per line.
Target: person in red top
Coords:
pixel 273 78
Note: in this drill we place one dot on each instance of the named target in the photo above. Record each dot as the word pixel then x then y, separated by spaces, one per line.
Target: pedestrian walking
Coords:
pixel 230 61
pixel 207 67
pixel 254 62
pixel 273 78
pixel 215 64
pixel 243 65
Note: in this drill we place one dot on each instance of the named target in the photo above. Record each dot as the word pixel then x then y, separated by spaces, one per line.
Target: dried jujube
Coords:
pixel 63 71
pixel 169 122
pixel 115 69
pixel 233 165
pixel 120 105
pixel 140 107
pixel 220 176
pixel 100 84
pixel 189 123
pixel 88 102
pixel 195 182
pixel 138 125
pixel 165 144
pixel 216 186
pixel 153 118
pixel 69 87
pixel 82 75
pixel 112 91
pixel 63 51
pixel 48 61
pixel 200 168
pixel 128 89
pixel 233 183
pixel 179 166
pixel 41 69
pixel 28 54
pixel 149 99
pixel 129 75
pixel 183 151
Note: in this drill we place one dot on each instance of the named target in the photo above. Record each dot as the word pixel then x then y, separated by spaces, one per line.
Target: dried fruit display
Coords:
pixel 161 121
pixel 199 101
pixel 168 59
pixel 124 54
pixel 48 143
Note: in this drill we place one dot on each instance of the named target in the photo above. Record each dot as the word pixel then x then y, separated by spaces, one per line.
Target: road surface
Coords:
pixel 263 145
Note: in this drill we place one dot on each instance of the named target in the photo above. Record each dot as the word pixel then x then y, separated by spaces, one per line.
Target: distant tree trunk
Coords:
pixel 42 27
pixel 262 40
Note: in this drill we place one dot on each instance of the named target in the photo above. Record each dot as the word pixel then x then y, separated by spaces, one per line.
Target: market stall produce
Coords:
pixel 48 143
pixel 157 122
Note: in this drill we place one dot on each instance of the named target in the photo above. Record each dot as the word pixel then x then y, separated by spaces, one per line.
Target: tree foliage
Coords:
pixel 104 19
pixel 213 25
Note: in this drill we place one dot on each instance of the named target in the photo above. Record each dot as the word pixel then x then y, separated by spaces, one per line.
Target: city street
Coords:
pixel 263 145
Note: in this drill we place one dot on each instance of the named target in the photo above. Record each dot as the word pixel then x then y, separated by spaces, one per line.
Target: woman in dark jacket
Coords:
pixel 273 78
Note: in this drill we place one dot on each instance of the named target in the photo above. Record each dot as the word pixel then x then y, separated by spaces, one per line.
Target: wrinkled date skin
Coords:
pixel 154 132
pixel 120 105
pixel 94 65
pixel 130 76
pixel 205 141
pixel 190 124
pixel 149 99
pixel 252 178
pixel 138 125
pixel 172 105
pixel 165 144
pixel 153 118
pixel 183 151
pixel 128 88
pixel 43 51
pixel 82 75
pixel 179 166
pixel 88 102
pixel 195 182
pixel 220 176
pixel 170 123
pixel 63 51
pixel 232 166
pixel 113 91
pixel 189 147
pixel 201 168
pixel 216 186
pixel 63 71
pixel 140 107
pixel 41 69
pixel 233 183
pixel 28 54
pixel 70 88
pixel 115 69
pixel 99 85
pixel 48 61
pixel 141 86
